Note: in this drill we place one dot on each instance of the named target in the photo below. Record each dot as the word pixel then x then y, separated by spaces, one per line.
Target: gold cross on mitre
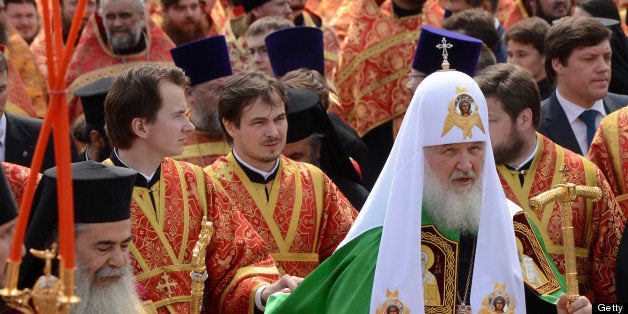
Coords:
pixel 444 45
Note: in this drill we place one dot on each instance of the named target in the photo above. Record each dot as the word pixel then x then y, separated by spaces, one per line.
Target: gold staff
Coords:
pixel 565 193
pixel 50 295
pixel 199 270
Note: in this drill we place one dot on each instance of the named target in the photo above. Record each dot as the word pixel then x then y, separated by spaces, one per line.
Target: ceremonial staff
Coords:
pixel 564 193
pixel 199 270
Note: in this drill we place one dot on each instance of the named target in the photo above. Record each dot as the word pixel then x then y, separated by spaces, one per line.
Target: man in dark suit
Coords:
pixel 578 58
pixel 18 134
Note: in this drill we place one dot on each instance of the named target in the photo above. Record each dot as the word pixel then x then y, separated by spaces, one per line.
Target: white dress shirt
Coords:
pixel 579 128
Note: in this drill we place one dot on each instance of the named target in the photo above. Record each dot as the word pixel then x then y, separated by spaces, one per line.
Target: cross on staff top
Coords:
pixel 564 171
pixel 444 45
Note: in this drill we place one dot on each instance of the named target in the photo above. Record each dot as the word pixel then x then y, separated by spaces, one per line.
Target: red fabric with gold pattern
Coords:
pixel 33 80
pixel 17 176
pixel 18 101
pixel 598 226
pixel 164 237
pixel 607 152
pixel 202 148
pixel 237 48
pixel 510 12
pixel 301 226
pixel 374 62
pixel 93 58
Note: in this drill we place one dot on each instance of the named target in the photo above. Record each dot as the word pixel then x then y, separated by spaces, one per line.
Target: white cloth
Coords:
pixel 396 201
pixel 573 111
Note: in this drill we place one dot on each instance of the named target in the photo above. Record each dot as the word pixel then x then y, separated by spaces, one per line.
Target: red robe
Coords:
pixel 164 237
pixel 17 176
pixel 598 226
pixel 607 152
pixel 374 62
pixel 94 58
pixel 304 218
pixel 202 148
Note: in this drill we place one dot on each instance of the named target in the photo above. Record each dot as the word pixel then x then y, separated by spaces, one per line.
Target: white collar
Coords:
pixel 573 111
pixel 261 172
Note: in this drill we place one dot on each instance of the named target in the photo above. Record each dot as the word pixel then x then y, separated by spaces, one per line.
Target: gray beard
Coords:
pixel 207 122
pixel 115 297
pixel 451 209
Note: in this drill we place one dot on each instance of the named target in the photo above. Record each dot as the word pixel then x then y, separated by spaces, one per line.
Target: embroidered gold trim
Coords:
pixel 243 272
pixel 297 257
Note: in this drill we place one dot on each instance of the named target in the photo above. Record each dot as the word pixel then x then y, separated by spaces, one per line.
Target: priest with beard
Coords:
pixel 184 20
pixel 438 196
pixel 528 164
pixel 102 230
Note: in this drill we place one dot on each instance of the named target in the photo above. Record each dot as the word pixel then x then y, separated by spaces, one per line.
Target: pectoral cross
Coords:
pixel 444 45
pixel 168 285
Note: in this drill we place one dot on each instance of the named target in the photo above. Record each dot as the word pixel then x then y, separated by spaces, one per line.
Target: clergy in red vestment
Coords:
pixel 207 76
pixel 374 60
pixel 116 38
pixel 528 164
pixel 301 215
pixel 607 153
pixel 145 117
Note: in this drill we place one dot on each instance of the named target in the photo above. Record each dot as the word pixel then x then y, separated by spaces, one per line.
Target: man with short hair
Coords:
pixel 24 17
pixel 273 192
pixel 529 163
pixel 257 54
pixel 184 20
pixel 116 38
pixel 145 114
pixel 207 77
pixel 525 45
pixel 479 24
pixel 577 58
pixel 102 229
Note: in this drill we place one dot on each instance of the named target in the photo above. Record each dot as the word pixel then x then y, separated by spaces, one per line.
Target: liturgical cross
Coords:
pixel 444 45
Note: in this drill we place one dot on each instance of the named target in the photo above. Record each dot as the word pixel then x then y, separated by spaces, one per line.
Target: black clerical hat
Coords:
pixel 93 99
pixel 295 48
pixel 203 59
pixel 306 115
pixel 249 5
pixel 8 207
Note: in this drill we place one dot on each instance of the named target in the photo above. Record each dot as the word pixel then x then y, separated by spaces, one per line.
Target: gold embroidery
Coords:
pixel 463 113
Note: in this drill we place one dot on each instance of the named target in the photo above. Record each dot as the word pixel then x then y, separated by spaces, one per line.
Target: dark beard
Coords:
pixel 510 151
pixel 180 36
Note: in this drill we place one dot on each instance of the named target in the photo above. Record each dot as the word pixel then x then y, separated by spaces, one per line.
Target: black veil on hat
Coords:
pixel 306 116
pixel 101 194
pixel 8 207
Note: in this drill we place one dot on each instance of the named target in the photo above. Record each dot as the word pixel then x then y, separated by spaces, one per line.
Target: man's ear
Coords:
pixel 557 66
pixel 257 12
pixel 230 127
pixel 138 125
pixel 96 138
pixel 525 119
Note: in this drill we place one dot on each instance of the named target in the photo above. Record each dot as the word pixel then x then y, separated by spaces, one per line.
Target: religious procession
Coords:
pixel 313 156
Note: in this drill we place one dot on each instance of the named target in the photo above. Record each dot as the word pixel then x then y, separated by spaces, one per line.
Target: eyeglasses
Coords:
pixel 260 51
pixel 412 76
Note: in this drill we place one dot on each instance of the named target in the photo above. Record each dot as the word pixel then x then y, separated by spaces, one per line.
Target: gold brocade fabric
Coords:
pixel 374 62
pixel 608 153
pixel 94 58
pixel 32 79
pixel 597 225
pixel 236 43
pixel 164 236
pixel 304 218
pixel 18 101
pixel 17 176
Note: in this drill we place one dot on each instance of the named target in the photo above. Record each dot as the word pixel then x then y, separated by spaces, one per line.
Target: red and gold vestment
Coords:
pixel 598 226
pixel 202 148
pixel 164 236
pixel 303 219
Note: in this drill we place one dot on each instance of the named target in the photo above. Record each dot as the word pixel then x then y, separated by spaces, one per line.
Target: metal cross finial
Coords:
pixel 444 45
pixel 564 170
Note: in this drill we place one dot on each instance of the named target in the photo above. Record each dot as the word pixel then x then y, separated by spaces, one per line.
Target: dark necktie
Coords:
pixel 588 117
